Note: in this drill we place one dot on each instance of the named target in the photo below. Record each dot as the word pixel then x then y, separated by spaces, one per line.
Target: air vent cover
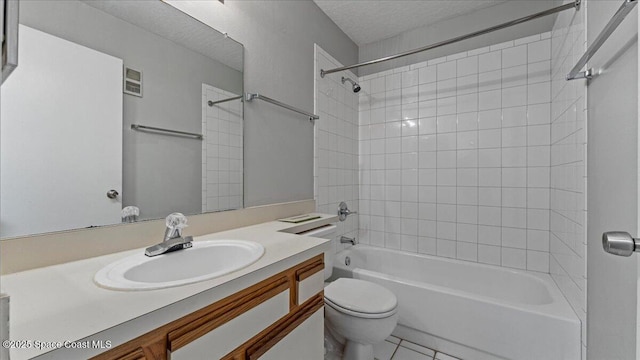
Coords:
pixel 132 82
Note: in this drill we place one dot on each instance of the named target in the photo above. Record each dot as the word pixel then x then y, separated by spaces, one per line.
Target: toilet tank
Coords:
pixel 324 232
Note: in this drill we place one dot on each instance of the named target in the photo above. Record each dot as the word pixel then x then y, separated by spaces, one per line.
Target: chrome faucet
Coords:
pixel 348 240
pixel 173 239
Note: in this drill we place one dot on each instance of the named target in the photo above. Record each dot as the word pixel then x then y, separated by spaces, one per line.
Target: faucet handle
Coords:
pixel 176 220
pixel 343 211
pixel 175 223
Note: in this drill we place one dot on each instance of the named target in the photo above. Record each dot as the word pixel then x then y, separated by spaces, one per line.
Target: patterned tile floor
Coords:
pixel 398 349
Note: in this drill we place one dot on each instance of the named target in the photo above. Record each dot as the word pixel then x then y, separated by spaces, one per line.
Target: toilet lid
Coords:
pixel 360 296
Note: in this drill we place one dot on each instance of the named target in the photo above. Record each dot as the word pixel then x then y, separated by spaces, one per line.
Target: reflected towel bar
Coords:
pixel 211 103
pixel 166 131
pixel 611 26
pixel 311 116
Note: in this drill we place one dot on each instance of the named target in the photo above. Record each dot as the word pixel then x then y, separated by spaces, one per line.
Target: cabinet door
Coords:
pixel 305 342
pixel 223 339
pixel 154 349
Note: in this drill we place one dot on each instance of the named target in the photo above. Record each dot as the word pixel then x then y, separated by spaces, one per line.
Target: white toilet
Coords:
pixel 358 313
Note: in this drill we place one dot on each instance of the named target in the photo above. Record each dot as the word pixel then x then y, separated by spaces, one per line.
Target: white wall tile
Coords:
pixel 514 116
pixel 514 177
pixel 446 248
pixel 490 119
pixel 489 157
pixel 455 155
pixel 427 74
pixel 447 70
pixel 539 51
pixel 514 76
pixel 514 238
pixel 490 61
pixel 467 251
pixel 538 261
pixel 539 93
pixel 567 263
pixel 467 84
pixel 514 157
pixel 489 254
pixel 490 80
pixel 410 78
pixel 467 121
pixel 514 258
pixel 514 56
pixel 488 100
pixel 514 136
pixel 514 96
pixel 489 138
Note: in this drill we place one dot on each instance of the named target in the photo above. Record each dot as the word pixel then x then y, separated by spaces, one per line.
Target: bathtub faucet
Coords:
pixel 348 240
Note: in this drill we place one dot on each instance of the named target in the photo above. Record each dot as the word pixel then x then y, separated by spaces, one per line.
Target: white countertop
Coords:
pixel 62 303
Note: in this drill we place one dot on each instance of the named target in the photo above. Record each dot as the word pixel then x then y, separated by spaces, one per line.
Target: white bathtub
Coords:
pixel 470 310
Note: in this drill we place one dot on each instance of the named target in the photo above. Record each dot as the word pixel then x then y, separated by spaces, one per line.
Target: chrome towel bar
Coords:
pixel 211 103
pixel 166 131
pixel 611 26
pixel 250 97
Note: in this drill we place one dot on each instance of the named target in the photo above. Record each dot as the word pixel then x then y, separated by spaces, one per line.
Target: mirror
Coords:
pixel 115 104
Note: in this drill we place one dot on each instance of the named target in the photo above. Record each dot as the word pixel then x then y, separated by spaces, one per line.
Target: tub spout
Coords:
pixel 348 240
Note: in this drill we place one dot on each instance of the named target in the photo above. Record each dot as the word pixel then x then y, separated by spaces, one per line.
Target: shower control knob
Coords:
pixel 112 194
pixel 620 243
pixel 343 211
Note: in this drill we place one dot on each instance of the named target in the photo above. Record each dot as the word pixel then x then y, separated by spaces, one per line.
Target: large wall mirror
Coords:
pixel 118 105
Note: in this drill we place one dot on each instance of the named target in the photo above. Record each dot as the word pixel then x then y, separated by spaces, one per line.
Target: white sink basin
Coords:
pixel 205 260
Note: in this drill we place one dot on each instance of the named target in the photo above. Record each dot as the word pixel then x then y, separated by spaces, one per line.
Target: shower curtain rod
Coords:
pixel 572 5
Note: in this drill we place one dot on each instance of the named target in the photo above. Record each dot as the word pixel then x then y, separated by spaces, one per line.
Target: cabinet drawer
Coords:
pixel 304 342
pixel 309 279
pixel 310 286
pixel 220 341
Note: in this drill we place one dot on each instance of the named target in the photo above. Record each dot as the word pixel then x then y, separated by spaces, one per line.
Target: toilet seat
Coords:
pixel 359 314
pixel 360 298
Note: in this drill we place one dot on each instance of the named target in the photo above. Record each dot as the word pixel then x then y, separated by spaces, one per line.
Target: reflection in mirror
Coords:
pixel 92 75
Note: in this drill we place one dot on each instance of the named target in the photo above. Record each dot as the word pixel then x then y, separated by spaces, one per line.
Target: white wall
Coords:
pixel 612 192
pixel 568 166
pixel 460 25
pixel 336 145
pixel 454 155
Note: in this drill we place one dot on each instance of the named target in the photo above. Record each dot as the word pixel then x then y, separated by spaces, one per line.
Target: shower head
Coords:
pixel 354 84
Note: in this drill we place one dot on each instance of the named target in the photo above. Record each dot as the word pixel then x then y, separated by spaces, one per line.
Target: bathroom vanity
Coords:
pixel 278 318
pixel 271 309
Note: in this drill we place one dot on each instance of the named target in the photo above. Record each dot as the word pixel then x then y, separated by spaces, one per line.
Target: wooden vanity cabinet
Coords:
pixel 278 318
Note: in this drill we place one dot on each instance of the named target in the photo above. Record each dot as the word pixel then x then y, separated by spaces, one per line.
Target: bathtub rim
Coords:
pixel 559 308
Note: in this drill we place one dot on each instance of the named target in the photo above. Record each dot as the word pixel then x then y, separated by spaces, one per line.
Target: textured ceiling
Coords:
pixel 367 21
pixel 174 25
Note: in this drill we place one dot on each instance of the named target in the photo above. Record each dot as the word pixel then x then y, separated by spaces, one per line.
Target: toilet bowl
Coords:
pixel 357 313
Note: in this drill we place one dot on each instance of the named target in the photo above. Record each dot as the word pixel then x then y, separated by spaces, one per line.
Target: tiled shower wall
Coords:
pixel 455 156
pixel 222 180
pixel 335 145
pixel 568 165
